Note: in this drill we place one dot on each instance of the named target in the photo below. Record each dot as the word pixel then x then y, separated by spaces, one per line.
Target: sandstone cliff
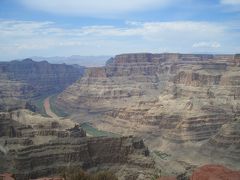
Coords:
pixel 225 143
pixel 51 158
pixel 33 146
pixel 177 98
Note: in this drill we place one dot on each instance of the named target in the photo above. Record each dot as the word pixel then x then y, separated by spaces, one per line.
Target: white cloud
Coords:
pixel 148 30
pixel 231 5
pixel 116 8
pixel 231 2
pixel 207 45
pixel 94 7
pixel 29 38
pixel 22 28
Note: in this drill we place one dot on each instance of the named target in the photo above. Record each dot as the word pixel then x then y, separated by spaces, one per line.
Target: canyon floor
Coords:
pixel 168 161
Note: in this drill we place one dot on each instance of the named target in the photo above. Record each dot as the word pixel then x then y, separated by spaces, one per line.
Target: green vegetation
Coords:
pixel 39 103
pixel 59 112
pixel 236 118
pixel 79 174
pixel 95 132
pixel 162 155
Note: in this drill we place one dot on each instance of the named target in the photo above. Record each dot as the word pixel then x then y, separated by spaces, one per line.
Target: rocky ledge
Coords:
pixel 188 97
pixel 226 143
pixel 51 158
pixel 32 146
pixel 175 98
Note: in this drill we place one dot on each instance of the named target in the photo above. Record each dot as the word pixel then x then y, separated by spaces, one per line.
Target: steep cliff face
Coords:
pixel 14 93
pixel 225 143
pixel 8 126
pixel 126 77
pixel 33 146
pixel 22 80
pixel 20 126
pixel 179 97
pixel 44 77
pixel 51 158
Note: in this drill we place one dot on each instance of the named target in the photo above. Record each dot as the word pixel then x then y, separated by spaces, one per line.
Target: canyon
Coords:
pixel 33 146
pixel 164 114
pixel 173 101
pixel 22 81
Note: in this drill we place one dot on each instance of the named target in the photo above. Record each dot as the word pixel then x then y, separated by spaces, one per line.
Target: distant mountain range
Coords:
pixel 88 61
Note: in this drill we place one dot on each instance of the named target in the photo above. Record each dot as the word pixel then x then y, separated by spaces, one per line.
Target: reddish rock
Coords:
pixel 215 172
pixel 6 176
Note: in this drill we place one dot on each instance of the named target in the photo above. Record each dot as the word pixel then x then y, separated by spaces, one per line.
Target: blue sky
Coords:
pixel 109 27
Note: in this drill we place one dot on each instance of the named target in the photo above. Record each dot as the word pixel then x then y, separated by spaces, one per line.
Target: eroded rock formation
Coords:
pixel 42 160
pixel 23 80
pixel 33 146
pixel 178 97
pixel 225 143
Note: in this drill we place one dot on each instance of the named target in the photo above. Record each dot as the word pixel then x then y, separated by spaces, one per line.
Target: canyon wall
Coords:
pixel 52 158
pixel 226 143
pixel 33 146
pixel 23 80
pixel 179 97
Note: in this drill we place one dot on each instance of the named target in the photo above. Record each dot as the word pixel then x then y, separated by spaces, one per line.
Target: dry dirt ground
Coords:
pixel 48 109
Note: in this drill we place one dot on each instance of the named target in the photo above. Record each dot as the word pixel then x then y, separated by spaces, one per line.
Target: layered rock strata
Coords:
pixel 225 143
pixel 173 101
pixel 23 80
pixel 182 97
pixel 33 146
pixel 47 159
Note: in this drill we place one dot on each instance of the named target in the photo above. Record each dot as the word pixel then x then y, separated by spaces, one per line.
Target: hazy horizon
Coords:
pixel 59 59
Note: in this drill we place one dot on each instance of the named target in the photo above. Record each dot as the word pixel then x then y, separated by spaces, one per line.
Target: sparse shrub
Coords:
pixel 104 176
pixel 183 176
pixel 79 174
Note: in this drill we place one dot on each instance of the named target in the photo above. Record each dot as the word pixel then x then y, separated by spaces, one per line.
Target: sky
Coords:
pixel 109 27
